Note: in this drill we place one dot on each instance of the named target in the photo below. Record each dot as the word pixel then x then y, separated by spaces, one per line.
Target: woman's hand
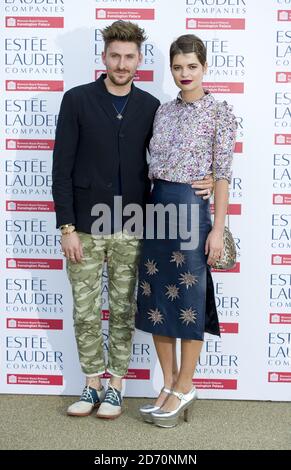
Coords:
pixel 214 246
pixel 205 186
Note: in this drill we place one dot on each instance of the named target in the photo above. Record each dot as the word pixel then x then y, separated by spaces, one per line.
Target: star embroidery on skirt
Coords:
pixel 151 267
pixel 178 258
pixel 188 279
pixel 188 315
pixel 146 288
pixel 155 316
pixel 172 292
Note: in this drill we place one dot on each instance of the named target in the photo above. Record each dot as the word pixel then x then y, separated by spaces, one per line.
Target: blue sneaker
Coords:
pixel 90 399
pixel 110 407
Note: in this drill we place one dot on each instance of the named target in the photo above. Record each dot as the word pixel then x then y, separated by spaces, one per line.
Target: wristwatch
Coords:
pixel 66 229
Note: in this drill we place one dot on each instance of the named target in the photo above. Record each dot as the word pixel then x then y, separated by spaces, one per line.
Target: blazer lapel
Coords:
pixel 107 107
pixel 132 108
pixel 104 100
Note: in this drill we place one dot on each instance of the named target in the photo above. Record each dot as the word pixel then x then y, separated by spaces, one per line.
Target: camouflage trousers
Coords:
pixel 122 252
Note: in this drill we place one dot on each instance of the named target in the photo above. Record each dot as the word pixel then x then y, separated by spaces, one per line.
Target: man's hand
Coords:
pixel 205 186
pixel 72 247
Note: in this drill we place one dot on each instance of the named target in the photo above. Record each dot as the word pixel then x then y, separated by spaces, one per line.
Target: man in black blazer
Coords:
pixel 100 152
pixel 102 135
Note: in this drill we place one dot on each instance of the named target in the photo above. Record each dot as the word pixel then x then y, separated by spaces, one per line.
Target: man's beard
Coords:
pixel 119 83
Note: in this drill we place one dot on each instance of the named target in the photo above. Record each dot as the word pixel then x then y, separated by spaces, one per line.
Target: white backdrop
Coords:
pixel 49 46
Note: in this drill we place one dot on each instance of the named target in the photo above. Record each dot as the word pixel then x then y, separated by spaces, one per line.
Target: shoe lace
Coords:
pixel 87 394
pixel 112 396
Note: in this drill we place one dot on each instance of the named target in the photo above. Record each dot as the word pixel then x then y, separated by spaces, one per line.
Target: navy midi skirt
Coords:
pixel 175 288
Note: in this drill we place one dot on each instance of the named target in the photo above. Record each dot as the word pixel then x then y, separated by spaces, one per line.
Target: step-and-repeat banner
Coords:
pixel 49 46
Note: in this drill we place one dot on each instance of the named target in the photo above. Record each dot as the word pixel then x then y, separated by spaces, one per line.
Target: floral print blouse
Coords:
pixel 185 135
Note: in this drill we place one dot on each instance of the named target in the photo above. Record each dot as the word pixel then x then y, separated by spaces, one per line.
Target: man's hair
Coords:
pixel 123 31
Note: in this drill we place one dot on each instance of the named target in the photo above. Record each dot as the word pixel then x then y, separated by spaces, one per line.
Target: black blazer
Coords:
pixel 91 144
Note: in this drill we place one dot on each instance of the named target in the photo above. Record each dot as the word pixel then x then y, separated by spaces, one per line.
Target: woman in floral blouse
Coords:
pixel 175 294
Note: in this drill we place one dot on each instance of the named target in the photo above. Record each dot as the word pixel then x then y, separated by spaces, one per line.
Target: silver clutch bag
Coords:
pixel 228 258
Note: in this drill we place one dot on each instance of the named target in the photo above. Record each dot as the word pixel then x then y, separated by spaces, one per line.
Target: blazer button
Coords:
pixel 109 185
pixel 121 135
